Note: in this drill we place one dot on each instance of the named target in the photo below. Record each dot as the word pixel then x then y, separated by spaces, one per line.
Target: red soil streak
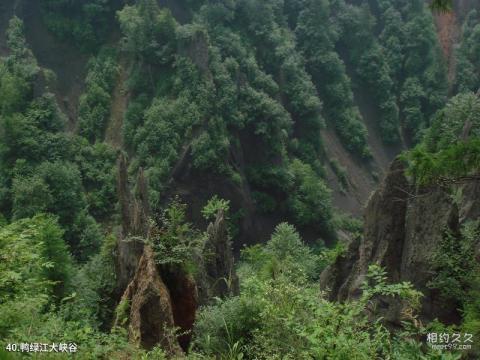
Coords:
pixel 448 32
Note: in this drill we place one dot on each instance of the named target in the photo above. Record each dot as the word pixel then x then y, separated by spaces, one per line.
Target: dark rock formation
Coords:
pixel 403 227
pixel 184 297
pixel 150 316
pixel 163 299
pixel 195 47
pixel 134 213
pixel 383 238
pixel 218 278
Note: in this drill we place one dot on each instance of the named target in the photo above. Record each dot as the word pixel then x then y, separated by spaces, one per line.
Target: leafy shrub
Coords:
pixel 35 267
pixel 455 161
pixel 317 39
pixel 94 106
pixel 92 290
pixel 455 265
pixel 149 32
pixel 219 327
pixel 213 206
pixel 284 255
pixel 85 23
pixel 175 241
pixel 451 148
pixel 309 201
pixel 284 319
pixel 450 123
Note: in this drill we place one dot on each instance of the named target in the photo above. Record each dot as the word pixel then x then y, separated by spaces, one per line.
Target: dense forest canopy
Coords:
pixel 224 111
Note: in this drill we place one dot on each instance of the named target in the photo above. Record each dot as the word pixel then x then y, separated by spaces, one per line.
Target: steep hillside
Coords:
pixel 186 171
pixel 422 225
pixel 404 229
pixel 70 71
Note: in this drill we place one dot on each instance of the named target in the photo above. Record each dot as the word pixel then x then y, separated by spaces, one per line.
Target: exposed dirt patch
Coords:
pixel 382 153
pixel 362 176
pixel 448 34
pixel 361 183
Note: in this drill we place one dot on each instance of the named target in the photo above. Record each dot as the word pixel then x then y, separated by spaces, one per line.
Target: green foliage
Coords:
pixel 92 344
pixel 85 23
pixel 218 328
pixel 213 206
pixel 451 148
pixel 95 103
pixel 374 71
pixel 447 165
pixel 442 5
pixel 56 188
pixel 317 39
pixel 376 284
pixel 175 241
pixel 455 265
pixel 21 58
pixel 289 255
pixel 44 169
pixel 286 317
pixel 348 223
pixel 244 86
pixel 411 99
pixel 424 71
pixel 13 90
pixel 403 69
pixel 309 201
pixel 210 148
pixel 468 55
pixel 35 266
pixel 157 142
pixel 97 165
pixel 329 255
pixel 36 271
pixel 285 255
pixel 16 70
pixel 149 32
pixel 449 124
pixel 456 274
pixel 370 63
pixel 92 298
pixel 122 312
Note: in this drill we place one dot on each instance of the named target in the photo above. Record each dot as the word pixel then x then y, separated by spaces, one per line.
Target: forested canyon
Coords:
pixel 240 179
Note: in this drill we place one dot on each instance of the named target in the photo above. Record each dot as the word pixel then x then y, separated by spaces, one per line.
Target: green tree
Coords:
pixel 35 266
pixel 309 200
pixel 149 32
pixel 317 38
pixel 95 103
pixel 468 55
pixel 411 98
pixel 85 23
pixel 441 5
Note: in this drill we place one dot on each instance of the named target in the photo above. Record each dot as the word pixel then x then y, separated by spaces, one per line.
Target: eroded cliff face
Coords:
pixel 404 226
pixel 150 307
pixel 158 299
